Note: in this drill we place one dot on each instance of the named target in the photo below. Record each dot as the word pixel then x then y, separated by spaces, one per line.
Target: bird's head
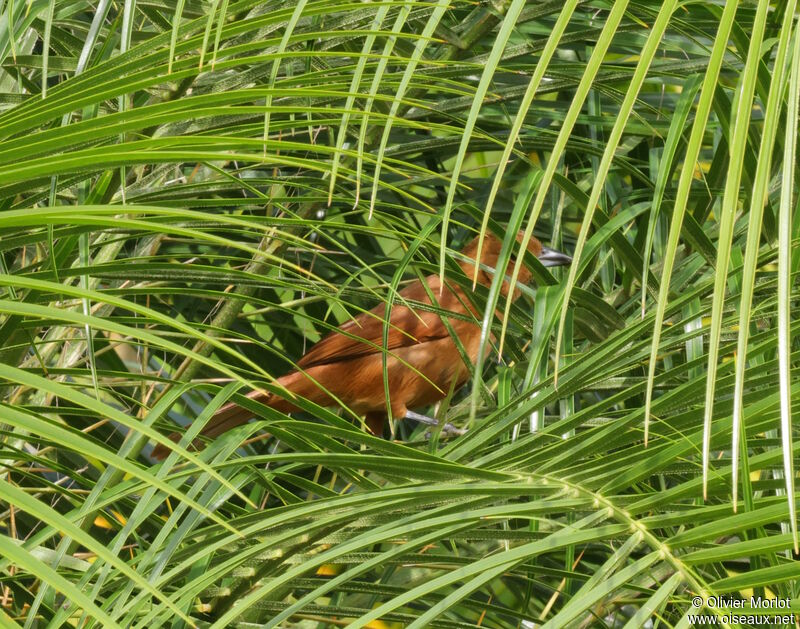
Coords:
pixel 545 255
pixel 490 253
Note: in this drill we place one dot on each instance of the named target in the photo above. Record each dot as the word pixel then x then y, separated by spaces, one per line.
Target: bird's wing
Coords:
pixel 364 334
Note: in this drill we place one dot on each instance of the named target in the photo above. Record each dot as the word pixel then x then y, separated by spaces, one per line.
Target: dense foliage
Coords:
pixel 193 193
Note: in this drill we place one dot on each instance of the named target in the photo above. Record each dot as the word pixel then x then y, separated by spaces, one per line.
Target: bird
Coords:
pixel 423 362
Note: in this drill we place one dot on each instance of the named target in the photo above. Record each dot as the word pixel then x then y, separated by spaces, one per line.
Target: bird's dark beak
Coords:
pixel 551 257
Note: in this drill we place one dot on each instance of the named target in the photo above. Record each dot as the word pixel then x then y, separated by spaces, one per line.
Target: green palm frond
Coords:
pixel 192 194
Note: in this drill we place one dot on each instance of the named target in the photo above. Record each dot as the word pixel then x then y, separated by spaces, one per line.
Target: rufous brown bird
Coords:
pixel 423 362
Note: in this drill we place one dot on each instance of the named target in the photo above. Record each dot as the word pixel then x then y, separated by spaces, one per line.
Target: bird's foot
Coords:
pixel 447 428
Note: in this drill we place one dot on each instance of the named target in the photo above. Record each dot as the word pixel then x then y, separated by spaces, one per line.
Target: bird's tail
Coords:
pixel 232 415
